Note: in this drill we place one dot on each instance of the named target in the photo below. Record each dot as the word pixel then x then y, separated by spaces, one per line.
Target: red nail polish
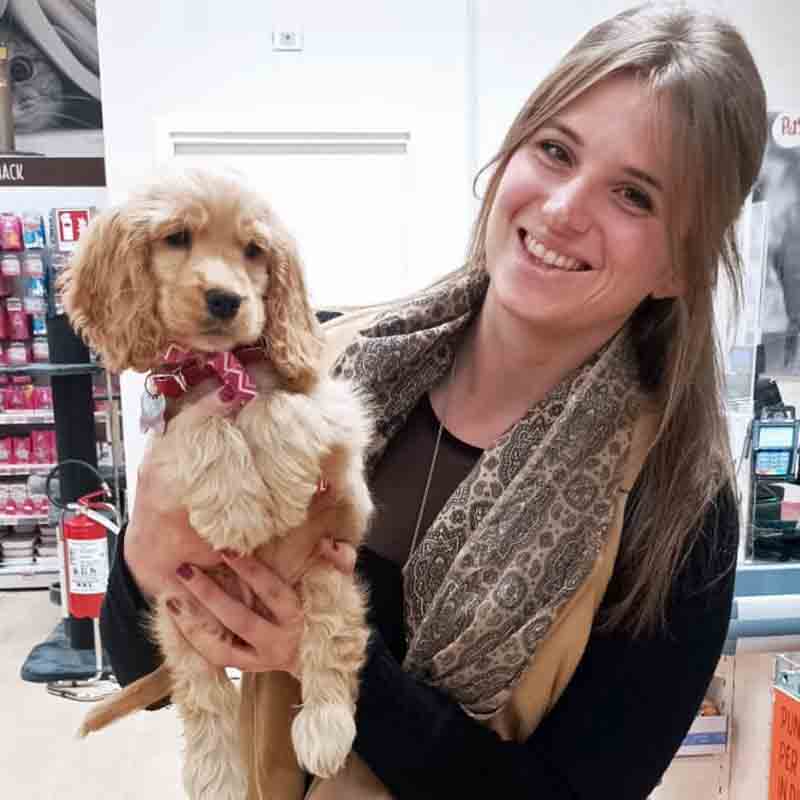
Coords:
pixel 184 571
pixel 227 393
pixel 174 606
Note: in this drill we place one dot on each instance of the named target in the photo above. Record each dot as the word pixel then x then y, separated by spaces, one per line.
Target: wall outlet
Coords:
pixel 287 40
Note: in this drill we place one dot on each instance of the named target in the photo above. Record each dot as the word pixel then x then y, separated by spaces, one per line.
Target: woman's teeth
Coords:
pixel 551 257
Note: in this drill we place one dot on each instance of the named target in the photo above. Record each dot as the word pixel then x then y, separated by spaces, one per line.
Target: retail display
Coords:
pixel 35 246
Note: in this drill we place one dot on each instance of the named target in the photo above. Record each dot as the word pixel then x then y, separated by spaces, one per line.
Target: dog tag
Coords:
pixel 152 414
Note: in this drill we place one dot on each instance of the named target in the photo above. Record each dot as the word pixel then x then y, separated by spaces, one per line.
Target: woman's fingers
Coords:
pixel 281 599
pixel 205 635
pixel 263 644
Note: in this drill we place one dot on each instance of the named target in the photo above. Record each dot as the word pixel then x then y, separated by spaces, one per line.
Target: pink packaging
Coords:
pixel 10 267
pixel 40 350
pixel 53 455
pixel 41 447
pixel 42 398
pixel 18 323
pixel 3 321
pixel 18 353
pixel 18 397
pixel 10 232
pixel 21 448
pixel 6 450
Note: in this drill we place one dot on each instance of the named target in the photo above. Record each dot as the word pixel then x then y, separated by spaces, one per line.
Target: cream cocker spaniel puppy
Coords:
pixel 198 267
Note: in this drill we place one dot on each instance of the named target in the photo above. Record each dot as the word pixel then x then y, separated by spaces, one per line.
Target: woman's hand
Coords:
pixel 166 557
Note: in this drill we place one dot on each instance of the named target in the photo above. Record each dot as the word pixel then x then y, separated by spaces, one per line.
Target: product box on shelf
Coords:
pixel 707 736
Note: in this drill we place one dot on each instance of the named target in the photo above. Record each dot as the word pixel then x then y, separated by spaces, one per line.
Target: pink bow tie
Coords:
pixel 194 366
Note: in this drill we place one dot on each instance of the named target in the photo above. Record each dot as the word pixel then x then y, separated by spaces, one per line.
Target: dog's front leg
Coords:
pixel 331 654
pixel 222 490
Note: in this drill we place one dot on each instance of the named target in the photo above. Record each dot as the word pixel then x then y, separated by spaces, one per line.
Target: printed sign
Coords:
pixel 786 130
pixel 784 772
pixel 70 224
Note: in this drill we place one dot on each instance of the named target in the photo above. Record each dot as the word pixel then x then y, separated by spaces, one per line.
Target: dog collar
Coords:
pixel 182 369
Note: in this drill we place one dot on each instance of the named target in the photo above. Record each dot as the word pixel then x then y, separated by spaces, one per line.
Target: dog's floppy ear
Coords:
pixel 109 292
pixel 293 340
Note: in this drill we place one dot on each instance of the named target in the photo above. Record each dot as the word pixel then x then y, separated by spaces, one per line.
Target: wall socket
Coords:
pixel 287 40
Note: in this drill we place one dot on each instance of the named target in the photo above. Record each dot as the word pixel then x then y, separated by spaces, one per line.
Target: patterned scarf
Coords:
pixel 524 529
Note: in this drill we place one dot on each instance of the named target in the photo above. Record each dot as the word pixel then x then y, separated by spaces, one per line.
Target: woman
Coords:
pixel 529 640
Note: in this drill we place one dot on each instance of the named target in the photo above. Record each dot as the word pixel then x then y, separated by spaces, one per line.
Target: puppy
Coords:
pixel 194 277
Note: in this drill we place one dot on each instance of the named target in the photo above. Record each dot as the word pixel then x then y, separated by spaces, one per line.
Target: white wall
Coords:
pixel 518 41
pixel 453 71
pixel 381 64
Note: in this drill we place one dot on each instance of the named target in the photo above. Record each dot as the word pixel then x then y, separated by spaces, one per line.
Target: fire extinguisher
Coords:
pixel 86 556
pixel 84 564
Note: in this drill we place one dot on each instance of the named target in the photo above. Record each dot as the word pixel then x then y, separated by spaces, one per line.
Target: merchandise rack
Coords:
pixel 42 573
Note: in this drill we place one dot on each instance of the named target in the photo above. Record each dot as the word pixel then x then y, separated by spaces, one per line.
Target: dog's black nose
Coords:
pixel 221 304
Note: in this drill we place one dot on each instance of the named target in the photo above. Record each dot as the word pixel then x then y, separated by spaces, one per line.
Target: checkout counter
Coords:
pixel 766 612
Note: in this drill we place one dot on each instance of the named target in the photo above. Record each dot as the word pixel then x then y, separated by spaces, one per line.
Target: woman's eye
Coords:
pixel 182 238
pixel 637 198
pixel 555 152
pixel 252 250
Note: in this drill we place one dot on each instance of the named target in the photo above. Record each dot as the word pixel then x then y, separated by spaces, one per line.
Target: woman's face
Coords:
pixel 577 235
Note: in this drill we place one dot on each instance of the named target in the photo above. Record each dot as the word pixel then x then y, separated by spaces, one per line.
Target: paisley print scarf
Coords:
pixel 524 529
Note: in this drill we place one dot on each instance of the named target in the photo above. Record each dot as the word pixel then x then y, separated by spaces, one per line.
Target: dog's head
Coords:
pixel 199 260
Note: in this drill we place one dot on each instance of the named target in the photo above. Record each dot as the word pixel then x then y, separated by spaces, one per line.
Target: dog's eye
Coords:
pixel 252 250
pixel 182 238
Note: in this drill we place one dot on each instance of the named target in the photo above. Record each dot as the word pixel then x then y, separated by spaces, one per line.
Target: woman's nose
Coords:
pixel 566 208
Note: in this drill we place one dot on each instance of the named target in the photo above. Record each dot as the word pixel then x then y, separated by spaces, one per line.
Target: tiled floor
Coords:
pixel 40 757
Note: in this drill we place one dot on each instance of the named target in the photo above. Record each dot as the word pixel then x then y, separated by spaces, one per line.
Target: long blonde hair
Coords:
pixel 700 66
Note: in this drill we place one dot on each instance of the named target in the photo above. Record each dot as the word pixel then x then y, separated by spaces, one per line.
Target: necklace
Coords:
pixel 435 455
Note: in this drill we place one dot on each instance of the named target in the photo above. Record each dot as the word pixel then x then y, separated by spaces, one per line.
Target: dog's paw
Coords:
pixel 323 736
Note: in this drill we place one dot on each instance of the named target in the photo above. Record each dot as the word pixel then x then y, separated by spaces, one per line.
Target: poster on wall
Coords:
pixel 778 192
pixel 51 126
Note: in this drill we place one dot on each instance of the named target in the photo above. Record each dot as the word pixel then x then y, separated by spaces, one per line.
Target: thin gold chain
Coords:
pixel 435 455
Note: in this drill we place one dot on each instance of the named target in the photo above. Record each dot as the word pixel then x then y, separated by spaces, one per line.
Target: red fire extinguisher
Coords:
pixel 86 556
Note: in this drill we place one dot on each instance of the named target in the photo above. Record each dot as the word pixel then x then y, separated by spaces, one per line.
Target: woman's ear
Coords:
pixel 293 340
pixel 109 293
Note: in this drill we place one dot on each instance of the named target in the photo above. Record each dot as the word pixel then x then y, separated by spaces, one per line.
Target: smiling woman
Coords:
pixel 579 222
pixel 550 462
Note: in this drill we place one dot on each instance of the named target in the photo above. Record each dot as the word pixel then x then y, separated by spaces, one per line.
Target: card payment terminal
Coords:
pixel 775 440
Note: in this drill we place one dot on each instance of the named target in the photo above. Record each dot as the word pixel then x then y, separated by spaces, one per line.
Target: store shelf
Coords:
pixel 53 370
pixel 25 469
pixel 32 576
pixel 40 417
pixel 16 519
pixel 27 418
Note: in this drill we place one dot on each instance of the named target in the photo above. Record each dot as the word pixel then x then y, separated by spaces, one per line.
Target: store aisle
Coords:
pixel 40 758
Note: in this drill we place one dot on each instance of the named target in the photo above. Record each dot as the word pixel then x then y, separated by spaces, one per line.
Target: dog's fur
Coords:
pixel 247 481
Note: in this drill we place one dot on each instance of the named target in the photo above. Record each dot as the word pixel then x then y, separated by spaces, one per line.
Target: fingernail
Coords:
pixel 174 606
pixel 229 554
pixel 184 571
pixel 227 393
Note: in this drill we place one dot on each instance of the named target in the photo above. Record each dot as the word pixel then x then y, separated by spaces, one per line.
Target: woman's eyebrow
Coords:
pixel 634 172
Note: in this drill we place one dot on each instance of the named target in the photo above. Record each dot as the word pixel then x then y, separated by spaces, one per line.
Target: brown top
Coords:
pixel 399 481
